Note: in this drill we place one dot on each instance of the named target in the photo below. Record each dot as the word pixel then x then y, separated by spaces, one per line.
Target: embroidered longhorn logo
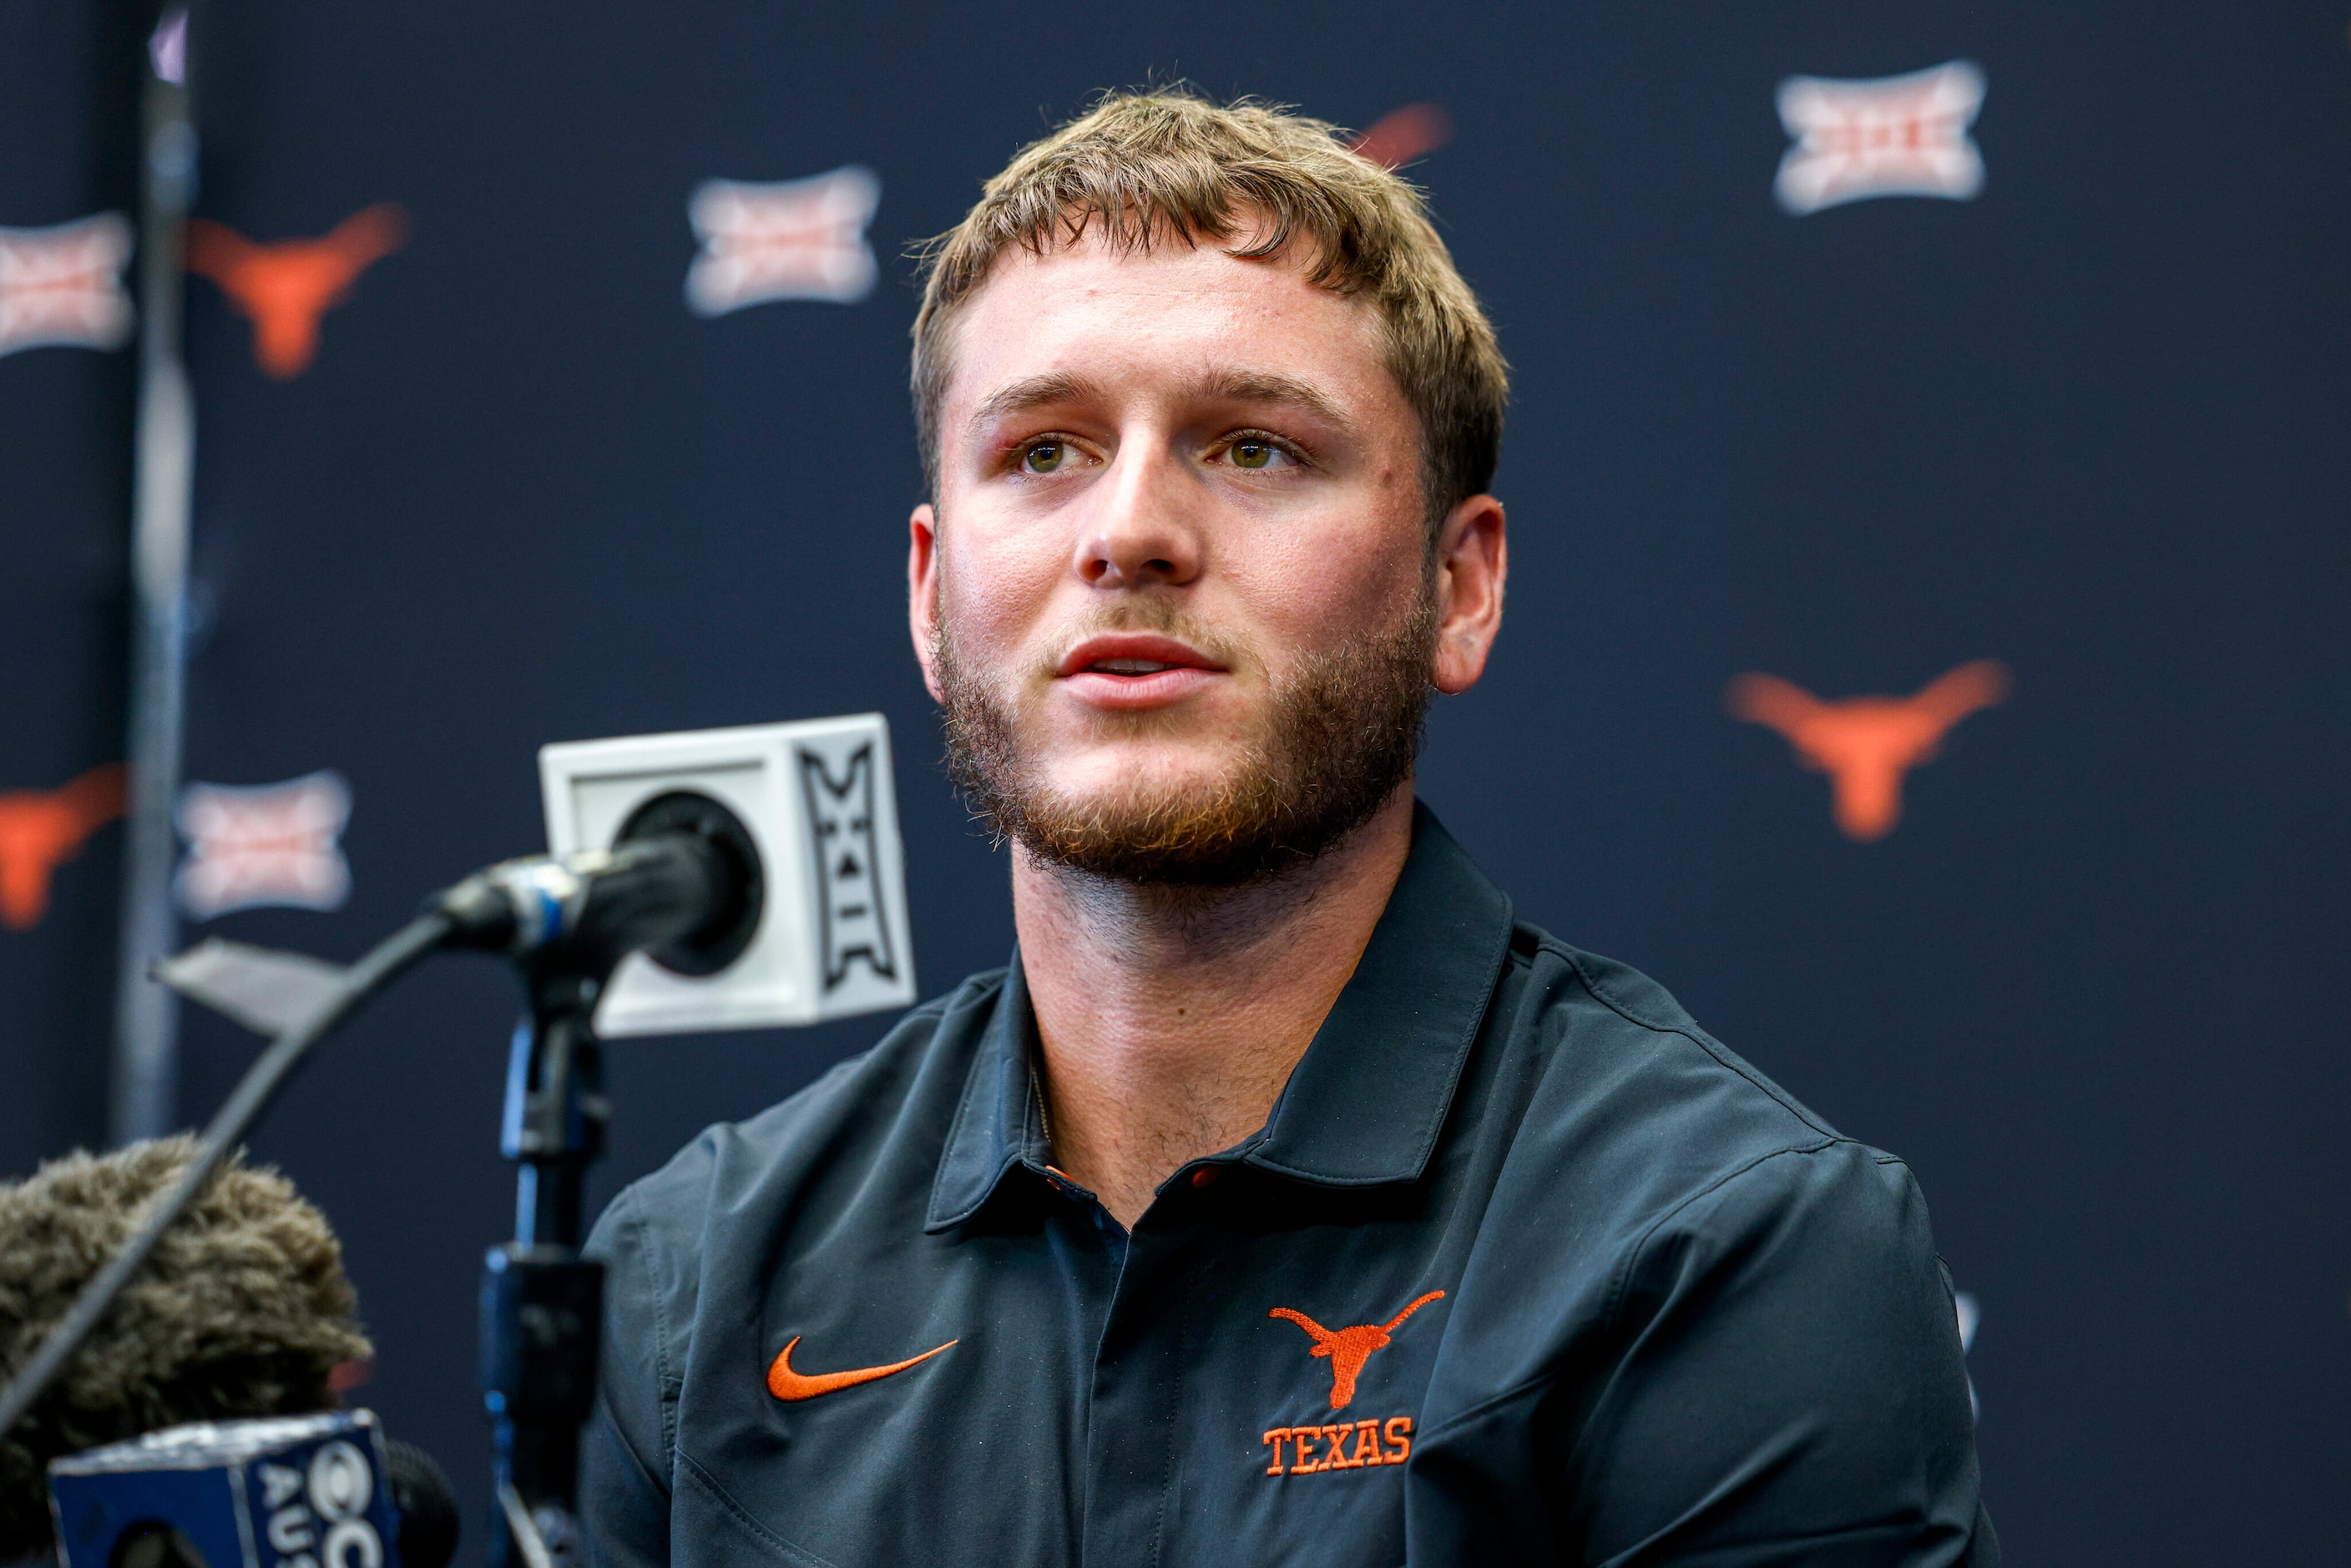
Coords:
pixel 1347 1349
pixel 1866 745
pixel 1401 135
pixel 285 287
pixel 41 829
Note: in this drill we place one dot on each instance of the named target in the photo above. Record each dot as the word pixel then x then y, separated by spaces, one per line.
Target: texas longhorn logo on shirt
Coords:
pixel 1374 1441
pixel 62 285
pixel 1866 745
pixel 1347 1349
pixel 284 288
pixel 1889 136
pixel 788 239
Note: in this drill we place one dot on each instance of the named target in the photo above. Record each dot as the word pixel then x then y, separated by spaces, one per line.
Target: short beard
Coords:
pixel 1344 732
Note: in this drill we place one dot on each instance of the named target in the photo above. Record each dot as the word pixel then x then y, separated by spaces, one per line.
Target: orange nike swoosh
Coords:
pixel 786 1384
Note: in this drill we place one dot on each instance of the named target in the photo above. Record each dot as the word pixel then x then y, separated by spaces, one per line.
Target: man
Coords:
pixel 1283 1201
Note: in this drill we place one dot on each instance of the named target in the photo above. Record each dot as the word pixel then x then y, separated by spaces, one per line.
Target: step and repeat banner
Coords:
pixel 69 84
pixel 1927 650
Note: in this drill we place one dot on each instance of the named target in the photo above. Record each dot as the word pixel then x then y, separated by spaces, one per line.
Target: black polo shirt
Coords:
pixel 1523 1268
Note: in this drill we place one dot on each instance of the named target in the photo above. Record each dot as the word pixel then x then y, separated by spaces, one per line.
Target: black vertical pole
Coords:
pixel 542 1304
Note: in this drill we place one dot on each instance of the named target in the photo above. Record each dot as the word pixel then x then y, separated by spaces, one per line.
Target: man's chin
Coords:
pixel 1143 779
pixel 1158 836
pixel 1147 803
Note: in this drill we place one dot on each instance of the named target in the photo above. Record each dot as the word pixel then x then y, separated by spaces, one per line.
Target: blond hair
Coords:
pixel 1150 166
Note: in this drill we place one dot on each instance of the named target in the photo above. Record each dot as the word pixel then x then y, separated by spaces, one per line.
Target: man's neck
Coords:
pixel 1172 1018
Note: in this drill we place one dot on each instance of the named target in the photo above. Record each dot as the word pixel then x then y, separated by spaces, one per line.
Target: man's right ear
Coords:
pixel 922 590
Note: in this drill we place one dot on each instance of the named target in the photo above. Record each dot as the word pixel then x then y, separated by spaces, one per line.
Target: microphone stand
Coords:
pixel 542 1302
pixel 682 883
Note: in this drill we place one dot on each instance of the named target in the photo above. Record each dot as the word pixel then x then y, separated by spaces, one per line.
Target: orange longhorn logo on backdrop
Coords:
pixel 1402 135
pixel 286 287
pixel 1347 1349
pixel 41 829
pixel 1866 744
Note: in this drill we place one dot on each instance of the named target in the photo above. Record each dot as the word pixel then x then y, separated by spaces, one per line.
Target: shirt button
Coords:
pixel 1204 1176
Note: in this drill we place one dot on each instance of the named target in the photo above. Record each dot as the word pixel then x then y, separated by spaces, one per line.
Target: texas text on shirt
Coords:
pixel 1524 1269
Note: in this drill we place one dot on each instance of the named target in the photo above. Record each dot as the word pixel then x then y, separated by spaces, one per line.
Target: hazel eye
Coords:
pixel 1259 455
pixel 1044 456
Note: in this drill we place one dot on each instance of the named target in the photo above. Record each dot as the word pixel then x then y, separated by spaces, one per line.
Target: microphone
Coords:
pixel 304 1492
pixel 726 940
pixel 243 1310
pixel 325 1490
pixel 427 1505
pixel 683 881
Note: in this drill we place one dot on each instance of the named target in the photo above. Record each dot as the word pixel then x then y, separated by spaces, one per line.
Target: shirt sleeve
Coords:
pixel 624 1501
pixel 1788 1387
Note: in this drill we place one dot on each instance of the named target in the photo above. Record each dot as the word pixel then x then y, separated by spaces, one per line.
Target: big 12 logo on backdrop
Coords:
pixel 62 285
pixel 1887 136
pixel 265 845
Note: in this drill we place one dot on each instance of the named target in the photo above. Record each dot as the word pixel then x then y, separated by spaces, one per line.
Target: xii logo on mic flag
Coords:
pixel 816 798
pixel 848 901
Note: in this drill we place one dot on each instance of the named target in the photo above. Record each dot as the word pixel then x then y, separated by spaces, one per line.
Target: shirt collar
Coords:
pixel 1366 1103
pixel 996 1126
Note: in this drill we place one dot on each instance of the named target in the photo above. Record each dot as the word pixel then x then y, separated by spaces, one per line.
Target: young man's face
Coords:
pixel 1177 593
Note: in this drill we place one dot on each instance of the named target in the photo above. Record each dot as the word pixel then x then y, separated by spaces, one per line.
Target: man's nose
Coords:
pixel 1142 531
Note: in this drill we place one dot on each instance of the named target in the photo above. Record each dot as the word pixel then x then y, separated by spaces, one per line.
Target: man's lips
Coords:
pixel 1135 669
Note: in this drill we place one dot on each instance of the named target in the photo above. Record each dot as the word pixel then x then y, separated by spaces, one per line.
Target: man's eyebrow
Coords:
pixel 1222 386
pixel 1033 391
pixel 1268 387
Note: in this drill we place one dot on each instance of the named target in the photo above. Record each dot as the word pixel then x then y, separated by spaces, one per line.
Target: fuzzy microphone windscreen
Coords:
pixel 243 1310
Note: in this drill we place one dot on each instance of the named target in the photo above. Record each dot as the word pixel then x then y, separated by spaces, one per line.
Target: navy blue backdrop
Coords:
pixel 69 137
pixel 2089 422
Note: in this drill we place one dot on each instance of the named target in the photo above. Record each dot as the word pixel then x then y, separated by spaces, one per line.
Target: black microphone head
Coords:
pixel 243 1310
pixel 735 895
pixel 683 882
pixel 428 1507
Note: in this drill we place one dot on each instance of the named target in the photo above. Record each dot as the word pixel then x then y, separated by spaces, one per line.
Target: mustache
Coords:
pixel 1158 616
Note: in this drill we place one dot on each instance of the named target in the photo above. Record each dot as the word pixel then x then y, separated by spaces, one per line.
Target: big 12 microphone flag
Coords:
pixel 815 796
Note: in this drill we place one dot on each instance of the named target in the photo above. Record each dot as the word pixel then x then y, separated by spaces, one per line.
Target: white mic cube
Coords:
pixel 818 799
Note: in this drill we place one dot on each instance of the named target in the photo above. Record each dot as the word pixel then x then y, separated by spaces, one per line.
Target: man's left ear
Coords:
pixel 1473 558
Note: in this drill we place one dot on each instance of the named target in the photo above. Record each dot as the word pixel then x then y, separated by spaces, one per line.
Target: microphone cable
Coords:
pixel 684 881
pixel 382 964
